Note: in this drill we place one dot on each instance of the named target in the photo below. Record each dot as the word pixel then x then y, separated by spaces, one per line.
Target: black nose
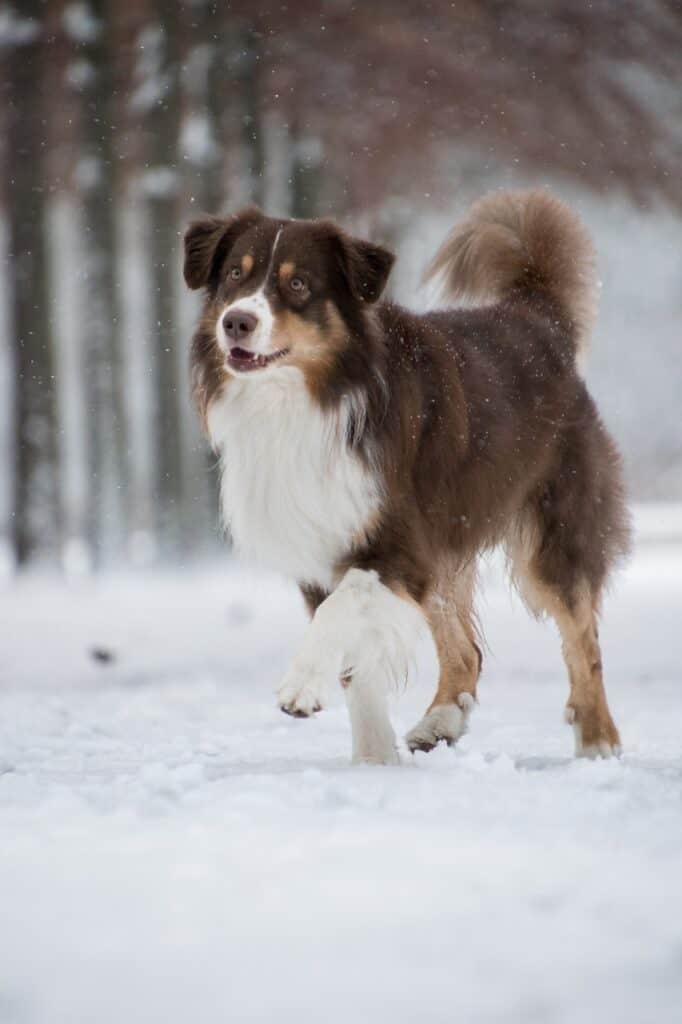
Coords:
pixel 239 324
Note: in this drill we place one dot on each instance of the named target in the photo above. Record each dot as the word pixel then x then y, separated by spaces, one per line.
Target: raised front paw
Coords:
pixel 445 722
pixel 303 691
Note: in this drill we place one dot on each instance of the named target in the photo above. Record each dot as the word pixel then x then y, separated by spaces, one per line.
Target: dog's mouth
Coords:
pixel 242 359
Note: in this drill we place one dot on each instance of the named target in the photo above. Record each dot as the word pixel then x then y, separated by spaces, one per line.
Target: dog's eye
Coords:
pixel 297 284
pixel 235 273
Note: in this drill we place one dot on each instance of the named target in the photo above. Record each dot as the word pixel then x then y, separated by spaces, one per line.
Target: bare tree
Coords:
pixel 35 505
pixel 98 179
pixel 162 191
pixel 247 63
pixel 586 91
pixel 65 71
pixel 206 144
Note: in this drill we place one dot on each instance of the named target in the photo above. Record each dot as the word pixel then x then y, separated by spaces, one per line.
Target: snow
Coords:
pixel 196 140
pixel 659 522
pixel 151 83
pixel 158 182
pixel 15 30
pixel 173 848
pixel 80 24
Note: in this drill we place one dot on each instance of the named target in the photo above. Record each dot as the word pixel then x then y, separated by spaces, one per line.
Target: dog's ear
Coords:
pixel 207 242
pixel 366 267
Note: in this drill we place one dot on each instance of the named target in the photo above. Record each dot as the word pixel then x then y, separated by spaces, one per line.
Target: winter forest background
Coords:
pixel 122 119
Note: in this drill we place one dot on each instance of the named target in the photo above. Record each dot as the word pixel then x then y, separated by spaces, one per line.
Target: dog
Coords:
pixel 372 454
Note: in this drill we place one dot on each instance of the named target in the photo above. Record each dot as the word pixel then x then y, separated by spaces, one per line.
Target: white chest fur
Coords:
pixel 293 495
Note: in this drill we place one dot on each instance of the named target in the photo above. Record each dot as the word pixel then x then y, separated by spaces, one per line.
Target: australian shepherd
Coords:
pixel 372 454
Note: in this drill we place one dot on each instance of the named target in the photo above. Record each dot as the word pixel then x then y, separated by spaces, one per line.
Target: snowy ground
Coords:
pixel 173 849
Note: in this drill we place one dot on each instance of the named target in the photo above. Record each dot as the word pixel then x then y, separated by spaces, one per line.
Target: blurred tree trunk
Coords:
pixel 103 361
pixel 132 41
pixel 162 187
pixel 7 371
pixel 209 135
pixel 7 353
pixel 7 385
pixel 306 171
pixel 35 479
pixel 64 74
pixel 207 127
pixel 249 69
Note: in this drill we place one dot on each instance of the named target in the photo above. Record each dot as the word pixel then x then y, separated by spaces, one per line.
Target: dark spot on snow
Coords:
pixel 102 655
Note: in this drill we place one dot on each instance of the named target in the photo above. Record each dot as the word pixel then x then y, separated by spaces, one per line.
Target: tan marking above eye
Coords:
pixel 286 270
pixel 247 263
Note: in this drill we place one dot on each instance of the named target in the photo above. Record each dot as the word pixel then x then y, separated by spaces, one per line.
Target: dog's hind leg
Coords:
pixel 576 617
pixel 449 611
pixel 564 545
pixel 586 710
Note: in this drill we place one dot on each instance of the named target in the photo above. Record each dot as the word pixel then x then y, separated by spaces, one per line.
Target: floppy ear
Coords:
pixel 208 240
pixel 366 267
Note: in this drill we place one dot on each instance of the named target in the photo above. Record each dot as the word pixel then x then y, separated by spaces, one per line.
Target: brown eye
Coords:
pixel 296 284
pixel 235 273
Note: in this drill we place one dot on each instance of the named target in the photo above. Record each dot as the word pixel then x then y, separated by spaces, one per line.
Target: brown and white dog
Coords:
pixel 372 454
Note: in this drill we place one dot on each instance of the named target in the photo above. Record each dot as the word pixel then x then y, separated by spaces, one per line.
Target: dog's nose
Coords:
pixel 239 324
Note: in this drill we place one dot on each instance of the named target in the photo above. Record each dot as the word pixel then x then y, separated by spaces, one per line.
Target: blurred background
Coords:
pixel 122 119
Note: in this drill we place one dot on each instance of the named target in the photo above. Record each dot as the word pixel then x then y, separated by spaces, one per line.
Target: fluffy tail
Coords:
pixel 522 242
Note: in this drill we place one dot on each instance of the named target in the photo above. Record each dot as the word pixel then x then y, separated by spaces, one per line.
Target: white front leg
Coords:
pixel 363 633
pixel 371 729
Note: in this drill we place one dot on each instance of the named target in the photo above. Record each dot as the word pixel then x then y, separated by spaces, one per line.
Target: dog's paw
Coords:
pixel 595 733
pixel 444 722
pixel 303 691
pixel 385 753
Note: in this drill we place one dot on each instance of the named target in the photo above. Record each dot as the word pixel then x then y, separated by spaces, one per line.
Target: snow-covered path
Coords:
pixel 174 849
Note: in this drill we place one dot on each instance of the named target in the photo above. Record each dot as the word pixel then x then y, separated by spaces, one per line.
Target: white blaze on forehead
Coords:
pixel 257 305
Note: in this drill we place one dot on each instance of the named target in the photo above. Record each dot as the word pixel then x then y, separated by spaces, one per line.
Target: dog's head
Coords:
pixel 279 292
